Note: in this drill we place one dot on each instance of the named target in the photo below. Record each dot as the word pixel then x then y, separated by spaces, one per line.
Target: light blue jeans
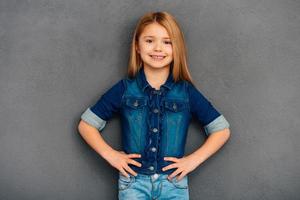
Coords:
pixel 150 187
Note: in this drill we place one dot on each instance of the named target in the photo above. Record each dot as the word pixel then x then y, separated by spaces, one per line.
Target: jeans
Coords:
pixel 152 187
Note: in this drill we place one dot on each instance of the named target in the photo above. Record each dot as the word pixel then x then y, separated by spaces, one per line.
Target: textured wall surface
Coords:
pixel 58 56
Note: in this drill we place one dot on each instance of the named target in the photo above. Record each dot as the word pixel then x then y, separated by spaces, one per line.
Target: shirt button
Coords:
pixel 155 110
pixel 153 149
pixel 136 104
pixel 174 106
pixel 151 168
pixel 154 130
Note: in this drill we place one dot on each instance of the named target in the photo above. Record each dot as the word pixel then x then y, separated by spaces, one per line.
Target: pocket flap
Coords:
pixel 175 106
pixel 135 103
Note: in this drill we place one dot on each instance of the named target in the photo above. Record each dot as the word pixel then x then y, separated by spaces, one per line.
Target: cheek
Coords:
pixel 169 50
pixel 145 48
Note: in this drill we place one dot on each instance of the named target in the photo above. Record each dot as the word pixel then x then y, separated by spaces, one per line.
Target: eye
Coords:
pixel 149 41
pixel 168 42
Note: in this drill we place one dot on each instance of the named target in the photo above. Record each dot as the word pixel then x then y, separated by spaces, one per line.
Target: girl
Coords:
pixel 156 102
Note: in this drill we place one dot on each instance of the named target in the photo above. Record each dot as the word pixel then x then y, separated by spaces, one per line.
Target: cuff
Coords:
pixel 92 119
pixel 217 124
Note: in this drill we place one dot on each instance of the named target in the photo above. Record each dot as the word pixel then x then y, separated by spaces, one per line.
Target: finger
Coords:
pixel 124 172
pixel 170 177
pixel 171 159
pixel 130 170
pixel 181 176
pixel 134 163
pixel 134 155
pixel 171 166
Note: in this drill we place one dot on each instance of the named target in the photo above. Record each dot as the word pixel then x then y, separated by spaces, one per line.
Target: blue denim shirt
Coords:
pixel 154 122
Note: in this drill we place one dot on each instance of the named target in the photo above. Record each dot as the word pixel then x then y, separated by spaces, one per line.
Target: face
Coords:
pixel 155 47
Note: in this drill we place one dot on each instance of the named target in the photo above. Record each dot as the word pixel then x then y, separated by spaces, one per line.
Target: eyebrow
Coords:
pixel 153 37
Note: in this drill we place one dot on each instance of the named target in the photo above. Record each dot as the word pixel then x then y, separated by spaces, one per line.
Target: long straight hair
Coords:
pixel 179 64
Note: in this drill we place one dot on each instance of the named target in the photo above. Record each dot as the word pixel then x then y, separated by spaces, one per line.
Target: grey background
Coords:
pixel 58 57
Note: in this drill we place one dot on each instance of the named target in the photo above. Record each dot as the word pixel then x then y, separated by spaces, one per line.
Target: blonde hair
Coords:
pixel 180 69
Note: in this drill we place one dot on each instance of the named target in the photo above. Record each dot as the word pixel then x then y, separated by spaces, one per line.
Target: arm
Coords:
pixel 188 163
pixel 216 128
pixel 94 118
pixel 93 137
pixel 117 159
pixel 212 144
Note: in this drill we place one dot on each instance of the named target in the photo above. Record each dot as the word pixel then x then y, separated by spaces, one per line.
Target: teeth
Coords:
pixel 158 57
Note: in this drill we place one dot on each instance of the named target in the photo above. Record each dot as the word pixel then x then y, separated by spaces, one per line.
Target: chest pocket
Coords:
pixel 175 125
pixel 175 105
pixel 134 131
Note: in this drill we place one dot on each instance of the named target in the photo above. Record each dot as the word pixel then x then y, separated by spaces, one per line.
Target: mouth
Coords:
pixel 156 57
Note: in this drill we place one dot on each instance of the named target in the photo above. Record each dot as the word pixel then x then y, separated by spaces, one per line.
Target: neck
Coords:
pixel 156 77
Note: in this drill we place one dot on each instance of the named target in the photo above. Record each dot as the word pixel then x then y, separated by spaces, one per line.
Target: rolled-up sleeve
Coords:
pixel 209 117
pixel 216 125
pixel 104 109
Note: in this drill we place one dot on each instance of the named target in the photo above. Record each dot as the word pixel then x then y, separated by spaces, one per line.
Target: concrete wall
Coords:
pixel 57 58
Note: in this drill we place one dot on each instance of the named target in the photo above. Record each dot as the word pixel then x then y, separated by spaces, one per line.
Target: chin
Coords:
pixel 158 66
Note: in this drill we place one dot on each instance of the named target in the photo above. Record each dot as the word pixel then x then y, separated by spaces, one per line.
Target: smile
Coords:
pixel 157 57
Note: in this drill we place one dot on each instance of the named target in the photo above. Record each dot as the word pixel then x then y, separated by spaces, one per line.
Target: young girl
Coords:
pixel 156 102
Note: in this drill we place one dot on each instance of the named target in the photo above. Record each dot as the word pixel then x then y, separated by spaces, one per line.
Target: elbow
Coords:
pixel 226 132
pixel 84 127
pixel 80 126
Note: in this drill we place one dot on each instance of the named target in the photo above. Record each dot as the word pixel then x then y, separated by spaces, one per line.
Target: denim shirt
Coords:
pixel 154 122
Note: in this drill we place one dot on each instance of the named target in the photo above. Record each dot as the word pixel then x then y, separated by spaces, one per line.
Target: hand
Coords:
pixel 120 161
pixel 184 165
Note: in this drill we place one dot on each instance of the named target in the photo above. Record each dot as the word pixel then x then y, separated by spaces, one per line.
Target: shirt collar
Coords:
pixel 143 83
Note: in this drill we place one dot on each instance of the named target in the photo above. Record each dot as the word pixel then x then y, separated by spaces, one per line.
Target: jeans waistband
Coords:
pixel 155 176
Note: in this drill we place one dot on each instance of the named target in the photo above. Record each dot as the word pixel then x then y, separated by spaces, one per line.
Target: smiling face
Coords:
pixel 155 47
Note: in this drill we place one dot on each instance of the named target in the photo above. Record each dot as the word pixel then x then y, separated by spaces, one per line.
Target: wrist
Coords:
pixel 106 153
pixel 198 158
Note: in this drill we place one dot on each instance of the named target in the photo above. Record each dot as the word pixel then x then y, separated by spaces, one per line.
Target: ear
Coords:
pixel 137 49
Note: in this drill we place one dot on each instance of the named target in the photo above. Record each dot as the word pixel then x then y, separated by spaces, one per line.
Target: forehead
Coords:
pixel 155 30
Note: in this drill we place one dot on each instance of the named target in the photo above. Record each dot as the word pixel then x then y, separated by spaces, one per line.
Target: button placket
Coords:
pixel 154 126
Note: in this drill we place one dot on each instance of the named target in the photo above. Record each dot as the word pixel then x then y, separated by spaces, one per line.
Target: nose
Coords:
pixel 157 46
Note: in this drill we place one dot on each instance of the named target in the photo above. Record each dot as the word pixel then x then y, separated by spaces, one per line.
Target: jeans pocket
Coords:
pixel 125 182
pixel 182 184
